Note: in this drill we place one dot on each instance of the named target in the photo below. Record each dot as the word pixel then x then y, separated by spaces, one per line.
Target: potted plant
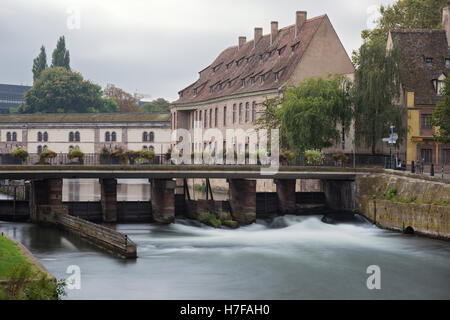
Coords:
pixel 147 156
pixel 313 157
pixel 105 156
pixel 119 156
pixel 76 154
pixel 133 156
pixel 340 158
pixel 286 157
pixel 20 154
pixel 45 155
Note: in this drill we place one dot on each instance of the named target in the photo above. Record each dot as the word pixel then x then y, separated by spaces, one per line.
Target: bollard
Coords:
pixel 432 170
pixel 413 167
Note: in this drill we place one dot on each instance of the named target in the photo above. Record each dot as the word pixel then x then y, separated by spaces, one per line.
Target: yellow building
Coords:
pixel 425 65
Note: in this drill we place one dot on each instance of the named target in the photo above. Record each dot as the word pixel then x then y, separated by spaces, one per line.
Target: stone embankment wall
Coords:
pixel 406 204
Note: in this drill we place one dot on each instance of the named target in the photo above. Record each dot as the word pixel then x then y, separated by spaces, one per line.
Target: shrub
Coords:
pixel 133 156
pixel 391 193
pixel 104 154
pixel 76 154
pixel 314 157
pixel 148 155
pixel 286 156
pixel 341 158
pixel 120 155
pixel 46 154
pixel 20 154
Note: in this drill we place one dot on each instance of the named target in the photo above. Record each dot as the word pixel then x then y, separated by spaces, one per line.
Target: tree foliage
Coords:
pixel 376 88
pixel 441 115
pixel 310 113
pixel 414 14
pixel 158 105
pixel 125 101
pixel 39 64
pixel 60 56
pixel 60 90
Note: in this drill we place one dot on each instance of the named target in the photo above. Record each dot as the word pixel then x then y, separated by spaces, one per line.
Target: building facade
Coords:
pixel 425 65
pixel 11 96
pixel 88 132
pixel 229 92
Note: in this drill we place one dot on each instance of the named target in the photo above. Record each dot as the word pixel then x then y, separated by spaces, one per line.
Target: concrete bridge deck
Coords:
pixel 173 172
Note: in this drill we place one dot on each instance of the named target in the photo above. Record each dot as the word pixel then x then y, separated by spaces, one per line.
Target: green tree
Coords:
pixel 310 113
pixel 60 56
pixel 414 14
pixel 158 105
pixel 441 115
pixel 39 64
pixel 125 101
pixel 60 90
pixel 376 87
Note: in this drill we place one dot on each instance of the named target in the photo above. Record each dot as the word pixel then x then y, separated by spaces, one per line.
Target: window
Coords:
pixel 8 136
pixel 440 87
pixel 240 113
pixel 243 83
pixel 229 84
pixel 225 116
pixel 144 148
pixel 446 156
pixel 39 136
pixel 427 155
pixel 215 118
pixel 151 148
pixel 426 121
pixel 206 119
pixel 39 149
pixel 107 136
pixel 71 137
pixel 200 118
pixel 45 136
pixel 262 79
pixel 447 62
pixel 195 92
pixel 429 61
pixel 14 136
pixel 77 136
pixel 247 112
pixel 70 148
pixel 211 89
pixel 277 76
pixel 113 136
pixel 234 113
pixel 210 118
pixel 252 80
pixel 144 136
pixel 254 111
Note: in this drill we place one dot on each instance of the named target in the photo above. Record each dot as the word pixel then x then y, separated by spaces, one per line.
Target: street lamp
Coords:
pixel 345 96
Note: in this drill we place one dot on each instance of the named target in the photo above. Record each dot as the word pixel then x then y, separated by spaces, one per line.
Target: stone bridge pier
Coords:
pixel 340 194
pixel 286 196
pixel 163 200
pixel 109 199
pixel 243 200
pixel 46 199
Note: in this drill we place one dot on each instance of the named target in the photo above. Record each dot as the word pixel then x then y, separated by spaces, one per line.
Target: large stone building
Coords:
pixel 425 65
pixel 229 92
pixel 11 96
pixel 88 132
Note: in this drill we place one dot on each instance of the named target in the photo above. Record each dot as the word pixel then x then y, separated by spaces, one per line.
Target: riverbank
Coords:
pixel 13 253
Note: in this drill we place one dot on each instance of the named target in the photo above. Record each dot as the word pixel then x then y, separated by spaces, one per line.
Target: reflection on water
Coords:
pixel 287 258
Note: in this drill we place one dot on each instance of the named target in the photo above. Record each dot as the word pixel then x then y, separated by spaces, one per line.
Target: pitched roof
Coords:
pixel 416 46
pixel 236 64
pixel 84 117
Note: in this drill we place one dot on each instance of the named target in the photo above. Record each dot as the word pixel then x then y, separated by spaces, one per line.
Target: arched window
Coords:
pixel 145 136
pixel 151 148
pixel 8 136
pixel 14 136
pixel 254 111
pixel 45 136
pixel 144 148
pixel 113 136
pixel 70 148
pixel 71 136
pixel 151 136
pixel 39 136
pixel 107 136
pixel 77 136
pixel 45 148
pixel 240 113
pixel 247 112
pixel 39 149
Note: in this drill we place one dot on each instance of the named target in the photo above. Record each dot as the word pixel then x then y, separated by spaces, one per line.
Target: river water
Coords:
pixel 287 258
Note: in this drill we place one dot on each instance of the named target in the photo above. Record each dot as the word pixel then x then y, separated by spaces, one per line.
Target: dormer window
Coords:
pixel 229 84
pixel 447 62
pixel 277 76
pixel 243 83
pixel 261 56
pixel 439 84
pixel 252 80
pixel 211 89
pixel 195 92
pixel 262 79
pixel 429 61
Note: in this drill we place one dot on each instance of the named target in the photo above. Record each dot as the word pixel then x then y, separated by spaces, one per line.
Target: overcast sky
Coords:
pixel 153 47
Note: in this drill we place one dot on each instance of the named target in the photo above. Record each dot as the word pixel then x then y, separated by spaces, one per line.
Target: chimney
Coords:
pixel 258 35
pixel 446 22
pixel 242 41
pixel 273 31
pixel 300 18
